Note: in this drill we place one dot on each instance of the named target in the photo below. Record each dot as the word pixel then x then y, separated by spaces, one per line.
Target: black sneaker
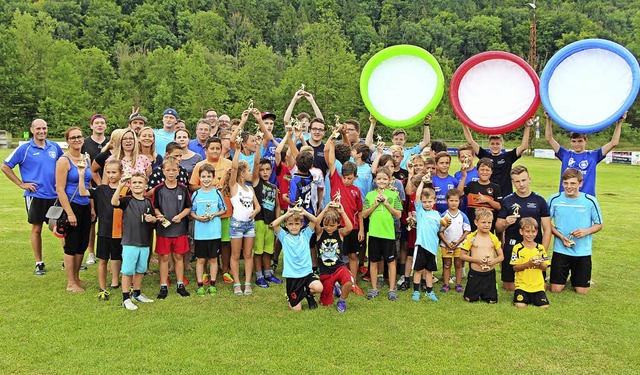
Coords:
pixel 164 291
pixel 182 291
pixel 404 286
pixel 312 303
pixel 39 271
pixel 83 268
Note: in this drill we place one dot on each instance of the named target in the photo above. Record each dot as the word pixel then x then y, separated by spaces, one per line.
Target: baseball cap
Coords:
pixel 137 116
pixel 270 115
pixel 170 111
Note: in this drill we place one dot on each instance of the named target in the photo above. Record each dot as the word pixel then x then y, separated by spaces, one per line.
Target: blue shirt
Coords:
pixel 297 256
pixel 585 162
pixel 441 186
pixel 37 165
pixel 207 202
pixel 300 188
pixel 162 140
pixel 428 227
pixel 249 159
pixel 364 180
pixel 72 185
pixel 269 152
pixel 196 147
pixel 408 152
pixel 472 175
pixel 569 214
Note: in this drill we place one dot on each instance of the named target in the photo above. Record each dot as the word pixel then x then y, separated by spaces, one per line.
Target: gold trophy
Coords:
pixel 571 241
pixel 164 222
pixel 516 210
pixel 465 162
pixel 207 215
pixel 411 221
pixel 485 266
pixel 379 140
pixel 84 161
pixel 298 205
pixel 336 200
pixel 302 87
pixel 250 109
pixel 335 133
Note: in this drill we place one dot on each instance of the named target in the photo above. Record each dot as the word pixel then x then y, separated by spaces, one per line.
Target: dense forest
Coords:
pixel 65 60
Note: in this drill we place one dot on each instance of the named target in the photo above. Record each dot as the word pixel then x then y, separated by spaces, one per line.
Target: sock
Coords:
pixel 125 296
pixel 212 282
pixel 416 287
pixel 163 286
pixel 179 284
pixel 429 289
pixel 259 274
pixel 200 283
pixel 275 262
pixel 102 290
pixel 268 273
pixel 38 263
pixel 136 293
pixel 315 269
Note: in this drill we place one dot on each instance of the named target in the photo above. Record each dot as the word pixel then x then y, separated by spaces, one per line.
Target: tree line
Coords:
pixel 65 60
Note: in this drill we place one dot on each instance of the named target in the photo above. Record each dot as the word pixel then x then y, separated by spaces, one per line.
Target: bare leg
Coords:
pixel 236 248
pixel 200 268
pixel 179 266
pixel 374 275
pixel 248 259
pixel 115 271
pixel 36 242
pixel 446 271
pixel 391 266
pixel 164 269
pixel 102 274
pixel 69 265
pixel 226 257
pixel 77 262
pixel 213 269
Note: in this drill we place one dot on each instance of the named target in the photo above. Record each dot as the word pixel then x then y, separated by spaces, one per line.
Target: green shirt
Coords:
pixel 381 221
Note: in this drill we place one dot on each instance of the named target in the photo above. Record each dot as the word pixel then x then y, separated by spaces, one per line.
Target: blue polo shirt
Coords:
pixel 37 165
pixel 196 147
pixel 162 140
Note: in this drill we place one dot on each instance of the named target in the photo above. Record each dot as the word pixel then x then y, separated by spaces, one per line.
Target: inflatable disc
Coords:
pixel 494 92
pixel 401 85
pixel 588 85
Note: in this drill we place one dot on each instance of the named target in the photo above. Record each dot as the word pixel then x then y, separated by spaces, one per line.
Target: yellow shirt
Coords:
pixel 468 242
pixel 530 279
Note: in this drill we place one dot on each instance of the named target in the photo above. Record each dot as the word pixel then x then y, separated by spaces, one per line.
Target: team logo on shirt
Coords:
pixel 179 197
pixel 490 191
pixel 52 154
pixel 571 162
pixel 583 164
pixel 514 257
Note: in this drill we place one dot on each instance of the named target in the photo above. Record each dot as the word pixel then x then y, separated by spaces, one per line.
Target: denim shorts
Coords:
pixel 242 229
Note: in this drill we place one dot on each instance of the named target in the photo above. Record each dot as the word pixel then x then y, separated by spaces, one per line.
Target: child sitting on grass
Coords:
pixel 207 207
pixel 483 251
pixel 529 260
pixel 137 215
pixel 301 282
pixel 330 260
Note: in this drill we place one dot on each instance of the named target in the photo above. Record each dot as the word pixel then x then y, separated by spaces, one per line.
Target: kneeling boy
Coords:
pixel 529 260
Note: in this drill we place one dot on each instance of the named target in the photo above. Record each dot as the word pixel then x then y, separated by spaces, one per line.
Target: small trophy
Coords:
pixel 516 210
pixel 164 222
pixel 298 205
pixel 427 177
pixel 126 177
pixel 379 140
pixel 259 134
pixel 250 109
pixel 207 215
pixel 239 140
pixel 84 161
pixel 302 86
pixel 465 162
pixel 336 200
pixel 411 221
pixel 335 134
pixel 571 241
pixel 485 266
pixel 452 244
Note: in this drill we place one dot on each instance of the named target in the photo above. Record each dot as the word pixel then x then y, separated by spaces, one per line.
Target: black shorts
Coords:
pixel 109 248
pixel 382 249
pixel 207 248
pixel 579 267
pixel 37 209
pixel 507 274
pixel 77 238
pixel 481 285
pixel 424 260
pixel 298 288
pixel 404 233
pixel 350 243
pixel 535 298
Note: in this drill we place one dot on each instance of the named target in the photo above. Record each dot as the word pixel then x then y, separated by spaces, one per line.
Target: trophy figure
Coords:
pixel 485 266
pixel 516 210
pixel 298 205
pixel 379 140
pixel 207 215
pixel 411 220
pixel 336 200
pixel 465 162
pixel 84 161
pixel 164 222
pixel 250 109
pixel 302 87
pixel 336 129
pixel 571 241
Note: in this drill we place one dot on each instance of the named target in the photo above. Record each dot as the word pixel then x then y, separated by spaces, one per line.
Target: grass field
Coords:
pixel 45 329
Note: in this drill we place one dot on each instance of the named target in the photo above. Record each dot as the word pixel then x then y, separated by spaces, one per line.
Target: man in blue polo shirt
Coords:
pixel 198 145
pixel 166 134
pixel 37 161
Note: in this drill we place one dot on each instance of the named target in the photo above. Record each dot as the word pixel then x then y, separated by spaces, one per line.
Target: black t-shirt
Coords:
pixel 100 159
pixel 266 193
pixel 170 202
pixel 135 231
pixel 472 191
pixel 532 206
pixel 401 175
pixel 501 168
pixel 92 147
pixel 318 157
pixel 329 252
pixel 101 196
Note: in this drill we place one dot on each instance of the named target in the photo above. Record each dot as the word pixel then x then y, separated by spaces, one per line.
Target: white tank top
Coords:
pixel 242 203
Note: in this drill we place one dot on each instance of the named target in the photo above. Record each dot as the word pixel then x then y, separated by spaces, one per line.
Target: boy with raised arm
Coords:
pixel 399 138
pixel 579 157
pixel 301 282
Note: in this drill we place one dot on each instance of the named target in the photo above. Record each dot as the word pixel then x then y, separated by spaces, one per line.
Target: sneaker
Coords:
pixel 114 286
pixel 40 269
pixel 452 280
pixel 312 303
pixel 445 288
pixel 273 279
pixel 262 283
pixel 337 292
pixel 83 268
pixel 392 295
pixel 415 296
pixel 357 290
pixel 103 295
pixel 434 279
pixel 201 291
pixel 182 291
pixel 205 278
pixel 400 281
pixel 342 306
pixel 164 292
pixel 366 277
pixel 91 259
pixel 129 305
pixel 363 270
pixel 432 296
pixel 142 298
pixel 226 277
pixel 213 290
pixel 372 293
pixel 459 288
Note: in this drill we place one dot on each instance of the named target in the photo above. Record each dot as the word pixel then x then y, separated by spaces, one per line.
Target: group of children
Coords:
pixel 409 214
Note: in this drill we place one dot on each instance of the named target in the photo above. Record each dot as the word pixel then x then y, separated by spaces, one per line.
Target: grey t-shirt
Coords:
pixel 171 202
pixel 135 231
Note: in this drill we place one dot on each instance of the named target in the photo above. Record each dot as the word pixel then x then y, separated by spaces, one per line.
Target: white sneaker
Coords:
pixel 400 281
pixel 144 299
pixel 452 280
pixel 464 272
pixel 91 259
pixel 434 279
pixel 129 305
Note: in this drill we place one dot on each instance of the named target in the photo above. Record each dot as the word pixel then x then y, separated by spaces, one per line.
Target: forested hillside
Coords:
pixel 64 60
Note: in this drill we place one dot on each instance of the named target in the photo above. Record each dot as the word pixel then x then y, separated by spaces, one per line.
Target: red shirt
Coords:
pixel 350 197
pixel 283 175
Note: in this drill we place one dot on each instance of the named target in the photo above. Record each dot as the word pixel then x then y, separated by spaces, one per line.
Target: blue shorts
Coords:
pixel 134 259
pixel 242 229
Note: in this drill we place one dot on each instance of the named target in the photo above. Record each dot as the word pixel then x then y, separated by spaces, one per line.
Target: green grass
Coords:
pixel 45 329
